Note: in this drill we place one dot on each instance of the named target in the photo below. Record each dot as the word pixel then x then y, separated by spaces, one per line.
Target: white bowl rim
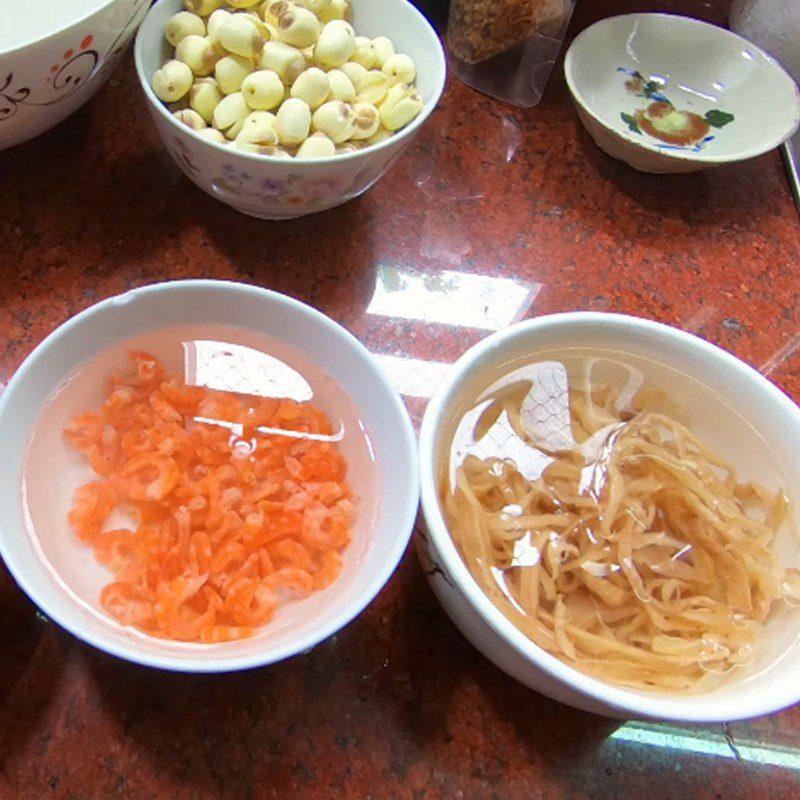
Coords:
pixel 678 708
pixel 37 40
pixel 339 158
pixel 688 155
pixel 404 524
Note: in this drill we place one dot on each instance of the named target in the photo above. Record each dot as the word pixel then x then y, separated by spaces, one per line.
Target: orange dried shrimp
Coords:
pixel 229 521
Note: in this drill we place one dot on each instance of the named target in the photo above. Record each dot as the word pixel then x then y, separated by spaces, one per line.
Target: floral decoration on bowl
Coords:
pixel 292 191
pixel 70 72
pixel 674 128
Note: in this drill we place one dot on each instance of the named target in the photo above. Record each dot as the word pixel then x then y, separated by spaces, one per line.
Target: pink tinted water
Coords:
pixel 217 357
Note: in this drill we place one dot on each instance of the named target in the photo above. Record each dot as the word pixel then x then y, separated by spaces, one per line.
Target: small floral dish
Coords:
pixel 272 188
pixel 55 56
pixel 672 94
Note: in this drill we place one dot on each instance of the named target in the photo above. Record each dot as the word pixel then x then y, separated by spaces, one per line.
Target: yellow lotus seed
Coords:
pixel 312 86
pixel 272 10
pixel 198 54
pixel 336 44
pixel 364 53
pixel 203 7
pixel 355 72
pixel 399 69
pixel 204 96
pixel 335 119
pixel 183 24
pixel 263 89
pixel 215 22
pixel 298 27
pixel 402 104
pixel 230 114
pixel 337 9
pixel 259 118
pixel 284 59
pixel 384 49
pixel 238 35
pixel 231 71
pixel 293 122
pixel 172 81
pixel 190 118
pixel 366 121
pixel 213 135
pixel 341 86
pixel 373 87
pixel 317 145
pixel 260 138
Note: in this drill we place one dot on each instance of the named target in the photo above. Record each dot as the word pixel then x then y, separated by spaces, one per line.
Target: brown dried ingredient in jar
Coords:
pixel 480 29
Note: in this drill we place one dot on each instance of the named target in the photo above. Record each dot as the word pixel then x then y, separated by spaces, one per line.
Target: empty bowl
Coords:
pixel 666 93
pixel 191 326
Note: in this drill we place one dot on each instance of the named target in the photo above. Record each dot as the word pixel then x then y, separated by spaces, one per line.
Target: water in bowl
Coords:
pixel 221 358
pixel 529 484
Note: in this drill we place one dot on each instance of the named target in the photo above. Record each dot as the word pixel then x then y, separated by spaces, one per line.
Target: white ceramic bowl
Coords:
pixel 54 56
pixel 698 68
pixel 770 683
pixel 271 188
pixel 61 576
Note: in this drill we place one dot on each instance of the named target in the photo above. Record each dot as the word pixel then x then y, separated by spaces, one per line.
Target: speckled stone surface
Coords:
pixel 398 705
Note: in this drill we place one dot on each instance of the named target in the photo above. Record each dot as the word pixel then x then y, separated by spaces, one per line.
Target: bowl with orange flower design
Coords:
pixel 666 93
pixel 55 56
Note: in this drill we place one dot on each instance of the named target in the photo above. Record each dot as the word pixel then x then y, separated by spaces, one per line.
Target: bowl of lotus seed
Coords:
pixel 281 109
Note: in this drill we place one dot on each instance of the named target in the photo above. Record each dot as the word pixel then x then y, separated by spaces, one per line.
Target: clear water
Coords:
pixel 545 379
pixel 217 357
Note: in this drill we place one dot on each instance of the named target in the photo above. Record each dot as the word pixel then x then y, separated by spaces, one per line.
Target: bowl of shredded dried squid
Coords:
pixel 609 505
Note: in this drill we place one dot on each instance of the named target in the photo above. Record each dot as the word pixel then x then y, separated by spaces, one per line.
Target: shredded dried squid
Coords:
pixel 636 555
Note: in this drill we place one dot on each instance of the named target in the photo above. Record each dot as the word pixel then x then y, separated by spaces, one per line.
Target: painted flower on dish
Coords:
pixel 674 128
pixel 322 187
pixel 271 186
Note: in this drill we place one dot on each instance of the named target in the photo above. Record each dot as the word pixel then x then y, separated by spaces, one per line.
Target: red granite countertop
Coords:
pixel 398 705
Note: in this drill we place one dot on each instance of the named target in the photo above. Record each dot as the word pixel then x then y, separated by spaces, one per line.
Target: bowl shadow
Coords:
pixel 31 663
pixel 324 259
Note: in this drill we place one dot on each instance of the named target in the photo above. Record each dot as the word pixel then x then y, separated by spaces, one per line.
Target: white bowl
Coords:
pixel 770 683
pixel 699 68
pixel 55 56
pixel 272 188
pixel 61 576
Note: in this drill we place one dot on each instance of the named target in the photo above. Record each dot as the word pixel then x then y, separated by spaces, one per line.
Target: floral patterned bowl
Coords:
pixel 271 188
pixel 672 94
pixel 55 56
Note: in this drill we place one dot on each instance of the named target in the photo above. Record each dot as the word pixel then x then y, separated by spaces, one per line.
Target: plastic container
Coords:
pixel 773 25
pixel 507 48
